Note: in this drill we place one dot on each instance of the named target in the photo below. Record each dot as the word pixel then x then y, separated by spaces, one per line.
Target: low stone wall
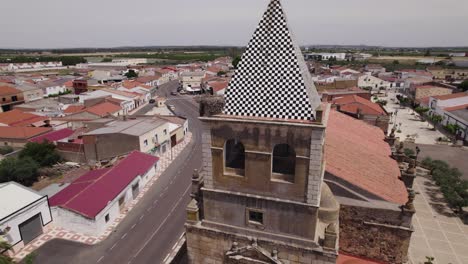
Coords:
pixel 375 233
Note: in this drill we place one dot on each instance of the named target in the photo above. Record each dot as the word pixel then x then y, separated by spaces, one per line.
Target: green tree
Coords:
pixel 409 152
pixel 5 150
pixel 106 60
pixel 43 153
pixel 131 74
pixel 23 170
pixel 236 61
pixel 463 86
pixel 395 62
pixel 428 53
pixel 4 246
pixel 221 73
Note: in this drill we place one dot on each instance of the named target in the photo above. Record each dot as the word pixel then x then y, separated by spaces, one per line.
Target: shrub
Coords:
pixel 409 152
pixel 452 186
pixel 22 170
pixel 5 150
pixel 43 153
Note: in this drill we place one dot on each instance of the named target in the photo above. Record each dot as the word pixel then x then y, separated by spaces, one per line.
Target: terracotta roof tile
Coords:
pixel 73 109
pixel 22 132
pixel 8 90
pixel 351 104
pixel 103 109
pixel 450 96
pixel 455 108
pixel 17 117
pixel 356 153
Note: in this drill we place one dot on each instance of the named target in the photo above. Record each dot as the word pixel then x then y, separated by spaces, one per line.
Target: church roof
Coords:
pixel 272 79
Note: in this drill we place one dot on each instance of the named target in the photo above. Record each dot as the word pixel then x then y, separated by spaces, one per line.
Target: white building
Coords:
pixel 371 82
pixel 92 202
pixel 34 66
pixel 325 56
pixel 454 110
pixel 191 81
pixel 23 214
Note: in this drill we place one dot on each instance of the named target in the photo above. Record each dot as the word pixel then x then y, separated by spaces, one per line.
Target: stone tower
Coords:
pixel 261 197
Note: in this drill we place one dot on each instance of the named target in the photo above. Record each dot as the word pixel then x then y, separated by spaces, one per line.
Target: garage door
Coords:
pixel 31 228
pixel 135 190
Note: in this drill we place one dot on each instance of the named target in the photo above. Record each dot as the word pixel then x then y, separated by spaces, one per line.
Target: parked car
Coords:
pixel 152 101
pixel 183 92
pixel 171 107
pixel 174 93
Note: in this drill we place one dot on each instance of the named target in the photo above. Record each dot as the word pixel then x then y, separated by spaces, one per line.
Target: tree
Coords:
pixel 221 73
pixel 5 150
pixel 23 170
pixel 106 60
pixel 428 53
pixel 4 246
pixel 409 152
pixel 42 153
pixel 395 62
pixel 131 74
pixel 463 86
pixel 236 61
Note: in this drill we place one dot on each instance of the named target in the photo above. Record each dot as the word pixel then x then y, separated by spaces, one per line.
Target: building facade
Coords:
pixel 263 199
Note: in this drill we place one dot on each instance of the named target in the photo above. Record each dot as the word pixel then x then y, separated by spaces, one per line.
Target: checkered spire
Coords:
pixel 272 79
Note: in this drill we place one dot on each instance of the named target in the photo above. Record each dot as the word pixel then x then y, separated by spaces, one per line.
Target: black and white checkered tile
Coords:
pixel 272 79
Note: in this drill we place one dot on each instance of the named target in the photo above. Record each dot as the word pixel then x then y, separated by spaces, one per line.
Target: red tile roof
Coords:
pixel 218 86
pixel 89 194
pixel 455 108
pixel 450 96
pixel 351 104
pixel 8 90
pixel 103 109
pixel 53 136
pixel 356 153
pixel 22 132
pixel 17 117
pixel 73 109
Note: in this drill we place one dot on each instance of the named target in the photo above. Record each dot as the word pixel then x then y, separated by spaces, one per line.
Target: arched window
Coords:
pixel 284 159
pixel 234 154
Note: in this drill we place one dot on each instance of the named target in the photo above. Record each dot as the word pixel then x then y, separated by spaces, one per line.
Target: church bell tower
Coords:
pixel 260 197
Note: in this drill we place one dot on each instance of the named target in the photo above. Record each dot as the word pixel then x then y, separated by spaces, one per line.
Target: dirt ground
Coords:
pixel 67 177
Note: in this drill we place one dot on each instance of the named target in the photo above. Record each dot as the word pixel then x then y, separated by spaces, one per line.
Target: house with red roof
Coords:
pixel 17 118
pixel 96 111
pixel 19 136
pixel 363 109
pixel 9 97
pixel 93 201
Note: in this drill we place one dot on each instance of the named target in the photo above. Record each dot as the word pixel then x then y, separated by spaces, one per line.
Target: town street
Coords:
pixel 149 231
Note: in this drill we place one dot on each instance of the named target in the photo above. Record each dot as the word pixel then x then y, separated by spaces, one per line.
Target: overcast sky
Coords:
pixel 113 23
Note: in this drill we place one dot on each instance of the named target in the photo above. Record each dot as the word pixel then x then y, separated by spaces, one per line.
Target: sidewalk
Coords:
pixel 439 233
pixel 52 232
pixel 410 123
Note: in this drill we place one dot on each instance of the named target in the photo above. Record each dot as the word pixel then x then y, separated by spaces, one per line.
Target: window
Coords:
pixel 107 218
pixel 145 142
pixel 165 131
pixel 255 217
pixel 3 99
pixel 234 155
pixel 284 162
pixel 156 139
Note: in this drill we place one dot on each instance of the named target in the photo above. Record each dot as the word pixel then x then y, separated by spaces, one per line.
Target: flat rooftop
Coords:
pixel 14 197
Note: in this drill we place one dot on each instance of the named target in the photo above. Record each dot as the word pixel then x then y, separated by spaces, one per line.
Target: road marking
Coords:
pixel 165 220
pixel 124 235
pixel 149 209
pixel 99 260
pixel 172 181
pixel 167 256
pixel 141 217
pixel 133 226
pixel 165 189
pixel 175 245
pixel 155 201
pixel 113 246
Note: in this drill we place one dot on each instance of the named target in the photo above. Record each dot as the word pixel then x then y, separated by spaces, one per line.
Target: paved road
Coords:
pixel 165 91
pixel 150 230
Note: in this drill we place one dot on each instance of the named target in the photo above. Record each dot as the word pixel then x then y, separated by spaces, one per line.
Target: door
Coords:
pixel 173 141
pixel 31 228
pixel 135 189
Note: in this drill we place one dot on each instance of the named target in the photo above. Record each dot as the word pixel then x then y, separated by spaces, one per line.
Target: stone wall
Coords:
pixel 208 246
pixel 374 233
